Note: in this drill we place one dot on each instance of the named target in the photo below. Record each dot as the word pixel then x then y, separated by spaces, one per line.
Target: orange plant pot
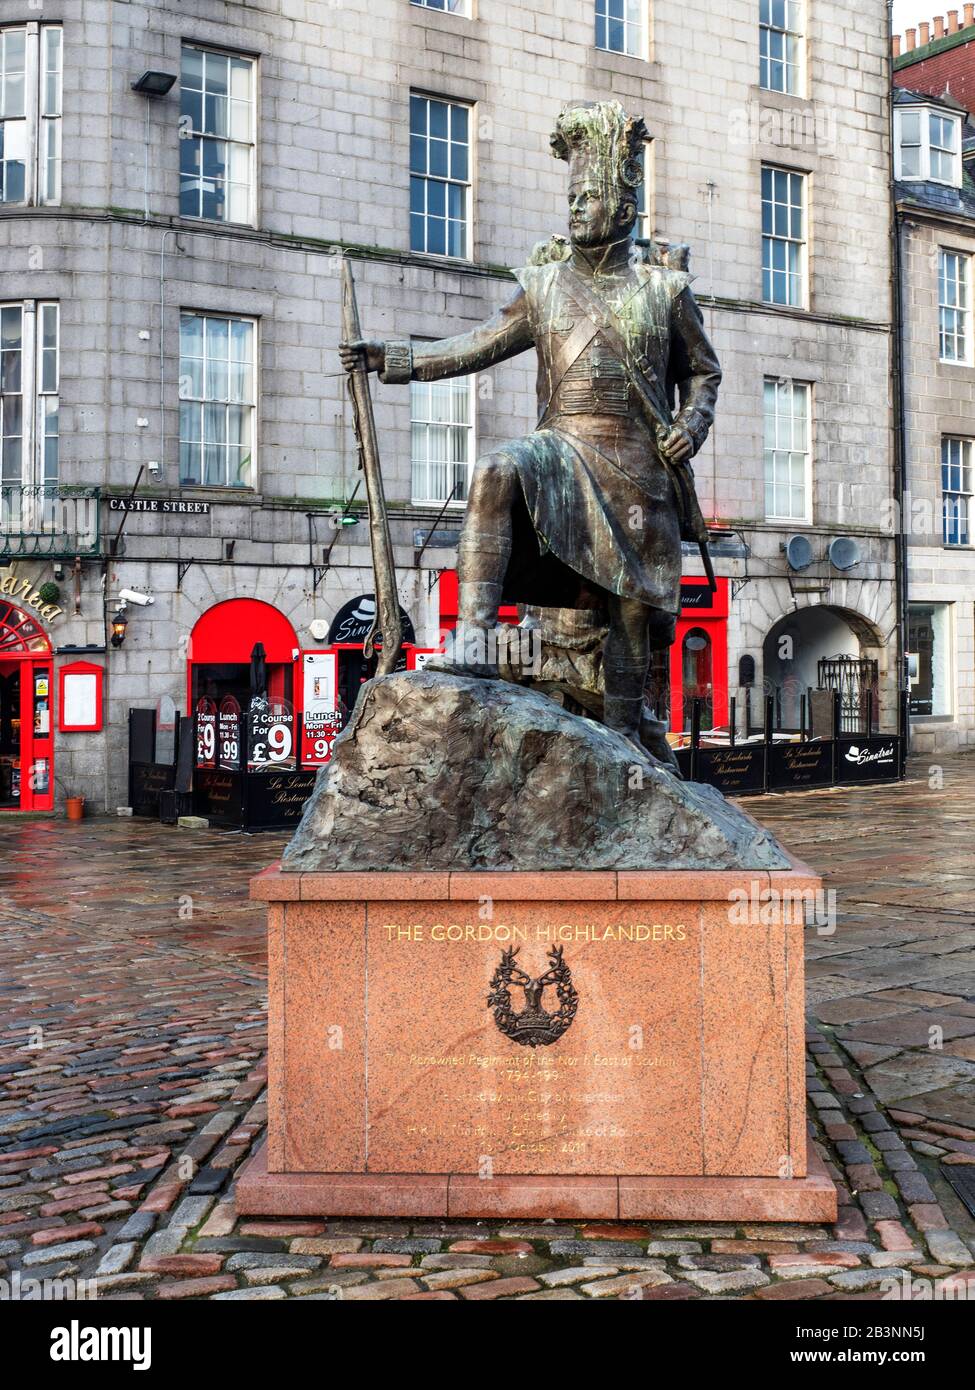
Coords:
pixel 75 807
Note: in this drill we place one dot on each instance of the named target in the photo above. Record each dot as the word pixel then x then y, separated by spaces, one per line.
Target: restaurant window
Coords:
pixel 929 642
pixel 221 658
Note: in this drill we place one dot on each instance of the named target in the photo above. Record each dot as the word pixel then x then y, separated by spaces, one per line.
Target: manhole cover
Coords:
pixel 963 1181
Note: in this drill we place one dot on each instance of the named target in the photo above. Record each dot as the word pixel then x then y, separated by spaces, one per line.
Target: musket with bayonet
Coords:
pixel 387 620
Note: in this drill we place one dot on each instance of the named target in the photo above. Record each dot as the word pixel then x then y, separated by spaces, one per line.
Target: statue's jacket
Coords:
pixel 600 507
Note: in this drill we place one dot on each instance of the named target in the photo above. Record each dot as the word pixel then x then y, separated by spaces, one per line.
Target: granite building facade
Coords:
pixel 174 417
pixel 934 145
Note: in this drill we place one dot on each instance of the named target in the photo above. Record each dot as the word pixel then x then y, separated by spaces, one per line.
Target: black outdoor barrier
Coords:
pixel 148 780
pixel 742 769
pixel 250 798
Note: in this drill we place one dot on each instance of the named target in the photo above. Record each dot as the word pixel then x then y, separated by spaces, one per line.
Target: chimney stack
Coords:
pixel 952 21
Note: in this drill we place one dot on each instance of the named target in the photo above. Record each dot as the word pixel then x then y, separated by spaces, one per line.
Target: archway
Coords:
pixel 220 646
pixel 820 647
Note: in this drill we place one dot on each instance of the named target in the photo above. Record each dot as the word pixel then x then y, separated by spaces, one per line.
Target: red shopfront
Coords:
pixel 26 713
pixel 699 656
pixel 250 769
pixel 697 665
pixel 220 649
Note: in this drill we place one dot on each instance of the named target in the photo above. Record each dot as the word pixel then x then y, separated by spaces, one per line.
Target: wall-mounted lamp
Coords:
pixel 119 623
pixel 154 83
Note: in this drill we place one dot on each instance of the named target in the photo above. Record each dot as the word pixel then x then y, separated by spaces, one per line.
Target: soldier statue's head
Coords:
pixel 603 148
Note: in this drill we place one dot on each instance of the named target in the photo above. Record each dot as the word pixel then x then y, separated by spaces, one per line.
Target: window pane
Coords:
pixel 241 71
pixel 216 177
pixel 191 107
pixel 214 464
pixel 216 70
pixel 437 156
pixel 910 162
pixel 51 71
pixel 239 467
pixel 438 115
pixel 13 416
pixel 189 462
pixel 191 68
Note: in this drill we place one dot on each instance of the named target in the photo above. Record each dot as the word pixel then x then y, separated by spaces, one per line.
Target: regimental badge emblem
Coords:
pixel 534 1026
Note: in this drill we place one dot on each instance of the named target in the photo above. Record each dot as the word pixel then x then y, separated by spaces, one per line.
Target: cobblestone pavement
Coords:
pixel 131 1041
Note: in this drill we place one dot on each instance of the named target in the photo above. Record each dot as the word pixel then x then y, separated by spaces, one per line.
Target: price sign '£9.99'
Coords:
pixel 271 743
pixel 206 733
pixel 318 733
pixel 228 734
pixel 321 718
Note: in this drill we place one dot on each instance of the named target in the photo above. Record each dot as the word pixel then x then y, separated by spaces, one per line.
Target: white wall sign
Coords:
pixel 80 707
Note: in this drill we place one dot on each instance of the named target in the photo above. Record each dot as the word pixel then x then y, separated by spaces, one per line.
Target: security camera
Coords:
pixel 130 596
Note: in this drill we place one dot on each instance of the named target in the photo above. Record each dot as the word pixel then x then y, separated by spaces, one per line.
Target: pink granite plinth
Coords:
pixel 678 1089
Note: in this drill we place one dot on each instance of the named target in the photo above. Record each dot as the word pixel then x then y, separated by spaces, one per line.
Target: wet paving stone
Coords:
pixel 132 1074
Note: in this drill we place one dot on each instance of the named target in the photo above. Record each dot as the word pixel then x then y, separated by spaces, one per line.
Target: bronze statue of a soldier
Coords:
pixel 585 514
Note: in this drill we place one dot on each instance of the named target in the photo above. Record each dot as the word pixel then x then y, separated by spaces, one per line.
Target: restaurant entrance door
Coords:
pixel 26 713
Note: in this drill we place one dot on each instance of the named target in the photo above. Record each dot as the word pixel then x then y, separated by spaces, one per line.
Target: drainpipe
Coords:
pixel 899 410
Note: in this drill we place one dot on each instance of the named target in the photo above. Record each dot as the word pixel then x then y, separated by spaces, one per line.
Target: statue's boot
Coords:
pixel 622 714
pixel 653 736
pixel 630 717
pixel 472 648
pixel 482 562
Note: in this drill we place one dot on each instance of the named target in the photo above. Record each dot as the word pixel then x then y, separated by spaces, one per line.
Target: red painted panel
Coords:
pixel 226 633
pixel 713 619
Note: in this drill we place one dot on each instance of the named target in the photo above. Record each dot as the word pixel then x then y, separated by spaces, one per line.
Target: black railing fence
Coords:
pixel 808 710
pixel 46 521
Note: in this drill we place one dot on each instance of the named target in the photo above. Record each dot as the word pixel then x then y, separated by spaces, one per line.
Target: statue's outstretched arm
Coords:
pixel 503 335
